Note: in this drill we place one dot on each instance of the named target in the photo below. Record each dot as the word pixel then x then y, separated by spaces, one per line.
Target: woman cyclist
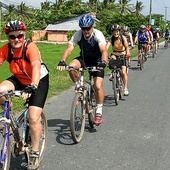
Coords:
pixel 120 48
pixel 31 76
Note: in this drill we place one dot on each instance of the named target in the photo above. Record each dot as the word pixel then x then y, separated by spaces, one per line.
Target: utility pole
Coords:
pixel 166 9
pixel 150 12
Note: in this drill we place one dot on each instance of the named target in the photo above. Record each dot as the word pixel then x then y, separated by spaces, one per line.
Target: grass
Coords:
pixel 51 55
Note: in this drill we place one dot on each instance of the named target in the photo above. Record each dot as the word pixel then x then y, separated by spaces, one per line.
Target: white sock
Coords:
pixel 99 108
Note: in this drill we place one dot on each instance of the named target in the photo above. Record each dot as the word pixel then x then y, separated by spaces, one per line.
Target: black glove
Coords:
pixel 30 89
pixel 101 64
pixel 62 63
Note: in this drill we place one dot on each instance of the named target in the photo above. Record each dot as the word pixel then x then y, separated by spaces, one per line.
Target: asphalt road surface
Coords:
pixel 135 135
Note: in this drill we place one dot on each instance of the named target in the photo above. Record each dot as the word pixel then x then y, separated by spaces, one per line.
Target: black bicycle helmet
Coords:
pixel 115 27
pixel 14 26
pixel 86 21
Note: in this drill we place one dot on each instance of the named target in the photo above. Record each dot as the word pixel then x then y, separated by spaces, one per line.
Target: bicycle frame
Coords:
pixel 8 122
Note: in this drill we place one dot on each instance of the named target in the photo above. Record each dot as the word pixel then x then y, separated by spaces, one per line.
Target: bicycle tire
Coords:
pixel 43 140
pixel 153 51
pixel 115 88
pixel 92 107
pixel 77 117
pixel 140 61
pixel 6 164
pixel 121 87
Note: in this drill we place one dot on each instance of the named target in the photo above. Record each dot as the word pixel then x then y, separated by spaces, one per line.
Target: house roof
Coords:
pixel 65 26
pixel 69 25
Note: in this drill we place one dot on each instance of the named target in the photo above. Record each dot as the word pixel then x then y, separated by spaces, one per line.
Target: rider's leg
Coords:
pixel 98 85
pixel 125 80
pixel 74 73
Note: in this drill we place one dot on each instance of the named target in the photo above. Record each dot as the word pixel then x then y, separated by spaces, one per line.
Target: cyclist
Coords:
pixel 32 76
pixel 167 35
pixel 142 37
pixel 128 35
pixel 155 38
pixel 120 48
pixel 93 52
pixel 151 38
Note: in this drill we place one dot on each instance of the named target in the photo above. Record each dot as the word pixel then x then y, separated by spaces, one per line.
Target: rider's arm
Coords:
pixel 136 40
pixel 108 44
pixel 131 39
pixel 126 45
pixel 67 52
pixel 103 50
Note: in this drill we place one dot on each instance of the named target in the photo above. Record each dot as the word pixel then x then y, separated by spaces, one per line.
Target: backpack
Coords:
pixel 10 55
pixel 113 40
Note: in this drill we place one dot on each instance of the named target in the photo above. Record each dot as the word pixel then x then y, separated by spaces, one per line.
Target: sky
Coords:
pixel 158 6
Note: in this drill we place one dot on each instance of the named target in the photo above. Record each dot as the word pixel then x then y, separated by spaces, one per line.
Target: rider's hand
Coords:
pixel 61 66
pixel 101 64
pixel 127 55
pixel 31 89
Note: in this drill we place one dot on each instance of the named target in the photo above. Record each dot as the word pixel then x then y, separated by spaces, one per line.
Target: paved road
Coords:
pixel 135 135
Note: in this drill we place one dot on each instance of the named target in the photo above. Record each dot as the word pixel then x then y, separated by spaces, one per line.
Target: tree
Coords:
pixel 138 8
pixel 125 7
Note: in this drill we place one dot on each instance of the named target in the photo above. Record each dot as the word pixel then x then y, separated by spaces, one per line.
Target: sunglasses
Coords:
pixel 86 28
pixel 13 37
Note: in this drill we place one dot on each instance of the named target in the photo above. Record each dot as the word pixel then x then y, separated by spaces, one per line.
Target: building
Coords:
pixel 58 32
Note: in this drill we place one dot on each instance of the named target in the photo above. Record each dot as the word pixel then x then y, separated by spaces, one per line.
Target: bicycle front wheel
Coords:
pixel 5 155
pixel 77 117
pixel 141 61
pixel 92 106
pixel 115 88
pixel 43 139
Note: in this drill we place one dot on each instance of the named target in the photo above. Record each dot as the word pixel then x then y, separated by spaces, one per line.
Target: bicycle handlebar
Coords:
pixel 8 94
pixel 91 68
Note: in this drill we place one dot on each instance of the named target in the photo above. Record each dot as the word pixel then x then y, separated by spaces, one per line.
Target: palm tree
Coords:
pixel 45 5
pixel 138 8
pixel 11 11
pixel 24 12
pixel 125 7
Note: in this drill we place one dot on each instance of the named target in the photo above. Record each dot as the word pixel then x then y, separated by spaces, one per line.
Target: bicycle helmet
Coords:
pixel 14 26
pixel 142 27
pixel 126 28
pixel 115 27
pixel 86 21
pixel 154 29
pixel 147 29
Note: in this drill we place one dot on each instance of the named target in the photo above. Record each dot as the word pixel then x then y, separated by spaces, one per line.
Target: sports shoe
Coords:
pixel 126 92
pixel 98 119
pixel 33 161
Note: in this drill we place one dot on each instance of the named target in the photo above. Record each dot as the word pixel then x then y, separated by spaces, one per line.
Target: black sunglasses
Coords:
pixel 13 37
pixel 86 28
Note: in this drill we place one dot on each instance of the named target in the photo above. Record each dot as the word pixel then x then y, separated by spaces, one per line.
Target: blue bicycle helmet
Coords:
pixel 86 21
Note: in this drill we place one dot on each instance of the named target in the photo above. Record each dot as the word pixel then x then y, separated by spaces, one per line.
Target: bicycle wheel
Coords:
pixel 43 140
pixel 92 106
pixel 77 117
pixel 115 88
pixel 5 165
pixel 141 61
pixel 121 87
pixel 153 51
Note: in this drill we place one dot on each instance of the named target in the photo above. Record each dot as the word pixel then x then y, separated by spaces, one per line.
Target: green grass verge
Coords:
pixel 51 55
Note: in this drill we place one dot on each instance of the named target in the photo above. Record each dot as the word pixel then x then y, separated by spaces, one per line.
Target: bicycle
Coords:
pixel 116 78
pixel 142 56
pixel 18 127
pixel 84 102
pixel 166 42
pixel 154 50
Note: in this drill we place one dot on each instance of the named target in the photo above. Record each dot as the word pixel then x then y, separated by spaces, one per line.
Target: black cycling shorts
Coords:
pixel 94 74
pixel 37 99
